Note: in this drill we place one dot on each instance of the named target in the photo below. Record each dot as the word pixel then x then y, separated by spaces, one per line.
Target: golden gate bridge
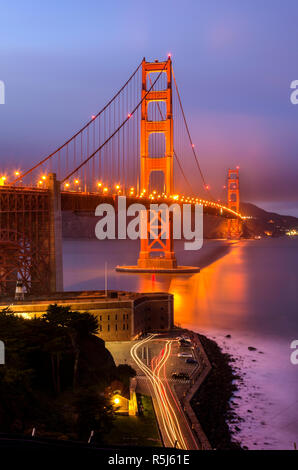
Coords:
pixel 138 145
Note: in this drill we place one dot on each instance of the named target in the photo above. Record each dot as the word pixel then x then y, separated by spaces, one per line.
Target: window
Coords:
pixel 108 317
pixel 100 327
pixel 116 316
pixel 116 327
pixel 123 326
pixel 108 327
pixel 123 316
pixel 100 317
pixel 127 326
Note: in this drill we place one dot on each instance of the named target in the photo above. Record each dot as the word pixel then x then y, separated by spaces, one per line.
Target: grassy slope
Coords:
pixel 136 430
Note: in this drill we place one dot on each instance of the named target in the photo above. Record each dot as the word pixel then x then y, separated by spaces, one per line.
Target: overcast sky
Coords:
pixel 234 62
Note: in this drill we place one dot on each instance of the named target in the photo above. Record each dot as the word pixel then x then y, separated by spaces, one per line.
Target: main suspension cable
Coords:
pixel 189 136
pixel 80 131
pixel 175 154
pixel 117 130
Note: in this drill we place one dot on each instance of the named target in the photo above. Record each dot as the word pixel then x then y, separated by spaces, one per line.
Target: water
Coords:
pixel 246 289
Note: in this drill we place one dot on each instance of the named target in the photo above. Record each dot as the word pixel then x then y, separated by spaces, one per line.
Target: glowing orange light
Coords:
pixel 129 115
pixel 99 185
pixel 105 189
pixel 93 117
pixel 43 177
pixel 116 401
pixel 17 173
pixel 76 181
pixel 67 185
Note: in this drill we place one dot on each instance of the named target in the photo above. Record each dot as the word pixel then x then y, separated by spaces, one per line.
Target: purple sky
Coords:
pixel 234 62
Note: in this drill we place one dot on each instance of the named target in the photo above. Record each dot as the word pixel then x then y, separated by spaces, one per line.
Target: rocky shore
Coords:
pixel 211 403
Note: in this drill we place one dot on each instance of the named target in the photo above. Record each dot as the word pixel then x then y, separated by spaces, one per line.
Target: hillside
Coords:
pixel 263 222
pixel 82 224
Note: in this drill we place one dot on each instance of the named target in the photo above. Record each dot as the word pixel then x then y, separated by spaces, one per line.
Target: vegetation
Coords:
pixel 136 430
pixel 55 375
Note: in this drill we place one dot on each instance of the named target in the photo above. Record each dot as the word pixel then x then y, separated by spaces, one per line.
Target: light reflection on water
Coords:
pixel 251 287
pixel 250 291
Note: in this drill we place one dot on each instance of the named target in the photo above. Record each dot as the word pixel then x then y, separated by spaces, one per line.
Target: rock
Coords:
pixel 251 348
pixel 228 336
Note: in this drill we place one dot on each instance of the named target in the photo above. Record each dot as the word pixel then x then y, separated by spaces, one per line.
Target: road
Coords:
pixel 173 424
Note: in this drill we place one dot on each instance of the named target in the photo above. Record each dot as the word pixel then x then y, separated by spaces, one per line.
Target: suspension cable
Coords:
pixel 189 136
pixel 117 130
pixel 175 154
pixel 80 131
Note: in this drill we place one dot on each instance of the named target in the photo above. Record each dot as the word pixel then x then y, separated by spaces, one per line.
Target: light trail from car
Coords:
pixel 168 415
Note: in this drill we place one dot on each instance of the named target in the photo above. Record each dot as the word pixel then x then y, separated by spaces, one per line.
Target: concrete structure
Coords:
pixel 122 316
pixel 234 224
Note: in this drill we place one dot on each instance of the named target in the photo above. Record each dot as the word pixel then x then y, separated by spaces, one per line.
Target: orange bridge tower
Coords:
pixel 234 225
pixel 157 252
pixel 162 163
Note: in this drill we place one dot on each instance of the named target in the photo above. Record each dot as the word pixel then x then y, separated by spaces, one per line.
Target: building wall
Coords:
pixel 114 324
pixel 153 312
pixel 118 319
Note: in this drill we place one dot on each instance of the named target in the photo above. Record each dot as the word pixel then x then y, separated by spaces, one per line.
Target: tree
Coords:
pixel 94 412
pixel 76 325
pixel 124 372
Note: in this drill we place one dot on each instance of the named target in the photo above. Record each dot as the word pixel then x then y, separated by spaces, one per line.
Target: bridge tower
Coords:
pixel 151 248
pixel 234 225
pixel 162 163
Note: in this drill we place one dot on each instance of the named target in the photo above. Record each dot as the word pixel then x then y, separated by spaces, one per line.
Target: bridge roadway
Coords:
pixel 88 201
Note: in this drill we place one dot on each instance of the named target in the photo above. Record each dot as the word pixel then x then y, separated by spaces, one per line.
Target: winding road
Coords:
pixel 173 424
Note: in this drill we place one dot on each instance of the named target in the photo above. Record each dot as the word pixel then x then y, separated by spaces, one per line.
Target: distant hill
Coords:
pixel 264 222
pixel 248 209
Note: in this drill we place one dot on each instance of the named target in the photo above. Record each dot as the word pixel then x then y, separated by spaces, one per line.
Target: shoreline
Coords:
pixel 211 403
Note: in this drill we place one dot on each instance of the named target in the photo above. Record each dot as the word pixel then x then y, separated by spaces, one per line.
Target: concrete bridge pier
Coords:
pixel 55 226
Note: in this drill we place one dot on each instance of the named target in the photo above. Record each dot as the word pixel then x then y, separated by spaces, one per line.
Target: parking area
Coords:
pixel 120 351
